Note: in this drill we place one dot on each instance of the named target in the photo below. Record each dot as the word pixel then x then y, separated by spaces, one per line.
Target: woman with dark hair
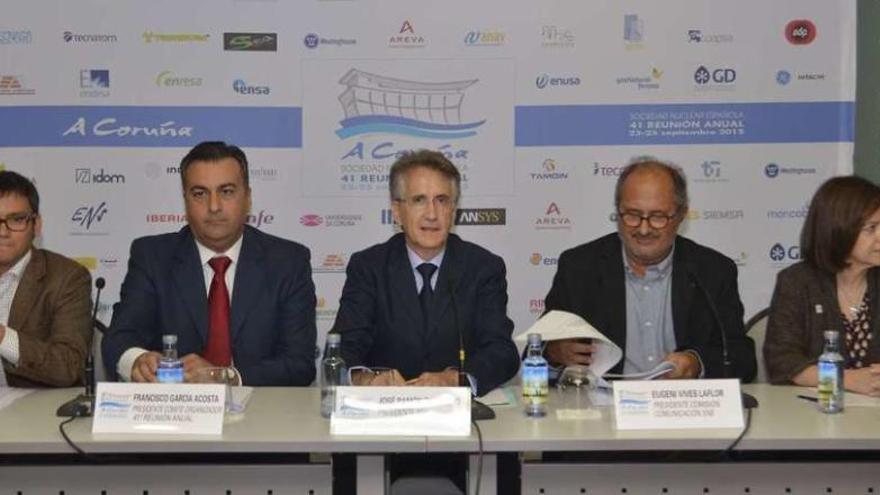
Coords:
pixel 835 287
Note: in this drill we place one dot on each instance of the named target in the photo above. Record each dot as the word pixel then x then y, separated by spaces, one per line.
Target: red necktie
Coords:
pixel 219 349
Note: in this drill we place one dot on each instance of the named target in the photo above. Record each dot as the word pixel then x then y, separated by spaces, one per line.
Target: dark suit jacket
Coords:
pixel 51 313
pixel 272 325
pixel 381 321
pixel 590 282
pixel 794 337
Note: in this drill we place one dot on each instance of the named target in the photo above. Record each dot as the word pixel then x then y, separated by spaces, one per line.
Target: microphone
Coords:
pixel 748 401
pixel 479 411
pixel 83 404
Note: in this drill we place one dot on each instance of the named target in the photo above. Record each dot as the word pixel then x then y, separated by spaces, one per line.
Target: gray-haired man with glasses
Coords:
pixel 45 298
pixel 652 291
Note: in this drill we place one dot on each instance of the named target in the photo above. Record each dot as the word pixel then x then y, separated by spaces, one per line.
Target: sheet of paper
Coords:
pixel 8 395
pixel 657 372
pixel 501 396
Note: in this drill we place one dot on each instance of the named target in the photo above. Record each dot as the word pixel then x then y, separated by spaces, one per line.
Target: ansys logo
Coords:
pixel 409 108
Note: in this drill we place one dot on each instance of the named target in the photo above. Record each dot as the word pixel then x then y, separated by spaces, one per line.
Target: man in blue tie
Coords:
pixel 400 301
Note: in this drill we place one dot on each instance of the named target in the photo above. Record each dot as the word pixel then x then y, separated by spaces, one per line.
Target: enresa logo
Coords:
pixel 800 32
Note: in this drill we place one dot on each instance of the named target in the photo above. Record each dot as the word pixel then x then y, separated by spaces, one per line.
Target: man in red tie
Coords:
pixel 234 296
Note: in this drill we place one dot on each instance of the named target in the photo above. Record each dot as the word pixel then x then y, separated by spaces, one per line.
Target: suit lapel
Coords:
pixel 682 292
pixel 403 285
pixel 612 290
pixel 189 277
pixel 28 290
pixel 250 277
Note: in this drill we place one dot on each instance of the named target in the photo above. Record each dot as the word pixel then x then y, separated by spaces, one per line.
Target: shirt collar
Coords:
pixel 415 260
pixel 19 267
pixel 652 272
pixel 205 254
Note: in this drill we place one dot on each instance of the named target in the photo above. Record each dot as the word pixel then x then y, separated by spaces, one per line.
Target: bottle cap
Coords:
pixel 169 339
pixel 534 339
pixel 333 338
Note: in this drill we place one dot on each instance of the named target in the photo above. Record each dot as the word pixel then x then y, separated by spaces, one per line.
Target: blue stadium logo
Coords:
pixel 771 170
pixel 429 110
pixel 783 77
pixel 311 40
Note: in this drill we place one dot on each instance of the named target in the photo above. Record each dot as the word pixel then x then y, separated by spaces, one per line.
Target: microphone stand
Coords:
pixel 83 404
pixel 479 411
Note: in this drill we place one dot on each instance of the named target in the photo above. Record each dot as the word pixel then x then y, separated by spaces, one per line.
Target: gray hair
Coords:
pixel 679 181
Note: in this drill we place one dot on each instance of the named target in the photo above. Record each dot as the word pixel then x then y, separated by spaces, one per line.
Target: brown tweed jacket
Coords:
pixel 804 305
pixel 51 313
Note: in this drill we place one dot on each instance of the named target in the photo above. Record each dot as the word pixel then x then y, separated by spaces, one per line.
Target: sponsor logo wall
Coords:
pixel 540 105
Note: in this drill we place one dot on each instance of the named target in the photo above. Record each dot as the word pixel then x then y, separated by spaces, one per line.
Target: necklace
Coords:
pixel 852 300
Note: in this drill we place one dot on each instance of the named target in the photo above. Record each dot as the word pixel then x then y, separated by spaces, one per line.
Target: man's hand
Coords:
pixel 864 381
pixel 386 378
pixel 191 363
pixel 445 378
pixel 686 365
pixel 567 352
pixel 144 368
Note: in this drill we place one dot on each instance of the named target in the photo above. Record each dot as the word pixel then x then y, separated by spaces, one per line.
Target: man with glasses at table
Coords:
pixel 650 290
pixel 45 298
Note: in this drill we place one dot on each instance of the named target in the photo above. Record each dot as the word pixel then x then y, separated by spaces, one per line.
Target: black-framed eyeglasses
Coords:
pixel 17 222
pixel 634 219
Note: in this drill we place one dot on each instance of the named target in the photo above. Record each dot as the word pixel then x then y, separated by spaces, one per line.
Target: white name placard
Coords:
pixel 159 408
pixel 677 404
pixel 399 411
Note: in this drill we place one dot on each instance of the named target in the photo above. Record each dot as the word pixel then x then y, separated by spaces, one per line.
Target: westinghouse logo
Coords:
pixel 250 42
pixel 553 219
pixel 312 41
pixel 168 79
pixel 547 81
pixel 407 37
pixel 773 170
pixel 154 37
pixel 14 86
pixel 87 176
pixel 553 36
pixel 549 171
pixel 94 83
pixel 16 37
pixel 481 216
pixel 71 37
pixel 485 38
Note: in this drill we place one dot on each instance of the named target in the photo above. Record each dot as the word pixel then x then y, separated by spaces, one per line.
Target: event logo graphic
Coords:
pixel 94 83
pixel 109 127
pixel 167 79
pixel 485 38
pixel 331 263
pixel 536 306
pixel 553 36
pixel 260 219
pixel 604 170
pixel 721 79
pixel 711 172
pixel 549 171
pixel 14 86
pixel 642 82
pixel 407 37
pixel 545 80
pixel 16 37
pixel 242 88
pixel 88 216
pixel 250 42
pixel 177 218
pixel 783 77
pixel 537 259
pixel 312 41
pixel 773 170
pixel 784 254
pixel 311 220
pixel 800 32
pixel 789 213
pixel 87 176
pixel 481 216
pixel 698 36
pixel 379 104
pixel 71 37
pixel 553 219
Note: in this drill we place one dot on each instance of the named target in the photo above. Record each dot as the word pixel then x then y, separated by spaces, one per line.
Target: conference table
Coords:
pixel 282 445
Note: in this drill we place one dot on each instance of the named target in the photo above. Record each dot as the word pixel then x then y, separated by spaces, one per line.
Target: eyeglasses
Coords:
pixel 420 202
pixel 634 219
pixel 17 222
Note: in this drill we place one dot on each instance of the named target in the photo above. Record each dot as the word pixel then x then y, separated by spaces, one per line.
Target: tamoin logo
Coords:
pixel 407 116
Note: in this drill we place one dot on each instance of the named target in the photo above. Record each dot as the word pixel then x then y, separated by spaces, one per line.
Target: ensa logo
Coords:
pixel 718 76
pixel 800 32
pixel 311 220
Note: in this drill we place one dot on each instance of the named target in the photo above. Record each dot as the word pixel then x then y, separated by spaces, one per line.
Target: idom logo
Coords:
pixel 429 110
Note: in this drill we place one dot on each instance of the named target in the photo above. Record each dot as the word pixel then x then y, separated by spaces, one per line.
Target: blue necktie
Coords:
pixel 426 270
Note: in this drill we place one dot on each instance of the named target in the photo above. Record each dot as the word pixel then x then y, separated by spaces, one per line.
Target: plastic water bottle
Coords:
pixel 535 379
pixel 170 368
pixel 333 373
pixel 830 388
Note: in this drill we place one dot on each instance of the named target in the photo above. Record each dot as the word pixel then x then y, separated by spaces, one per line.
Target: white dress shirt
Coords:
pixel 9 346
